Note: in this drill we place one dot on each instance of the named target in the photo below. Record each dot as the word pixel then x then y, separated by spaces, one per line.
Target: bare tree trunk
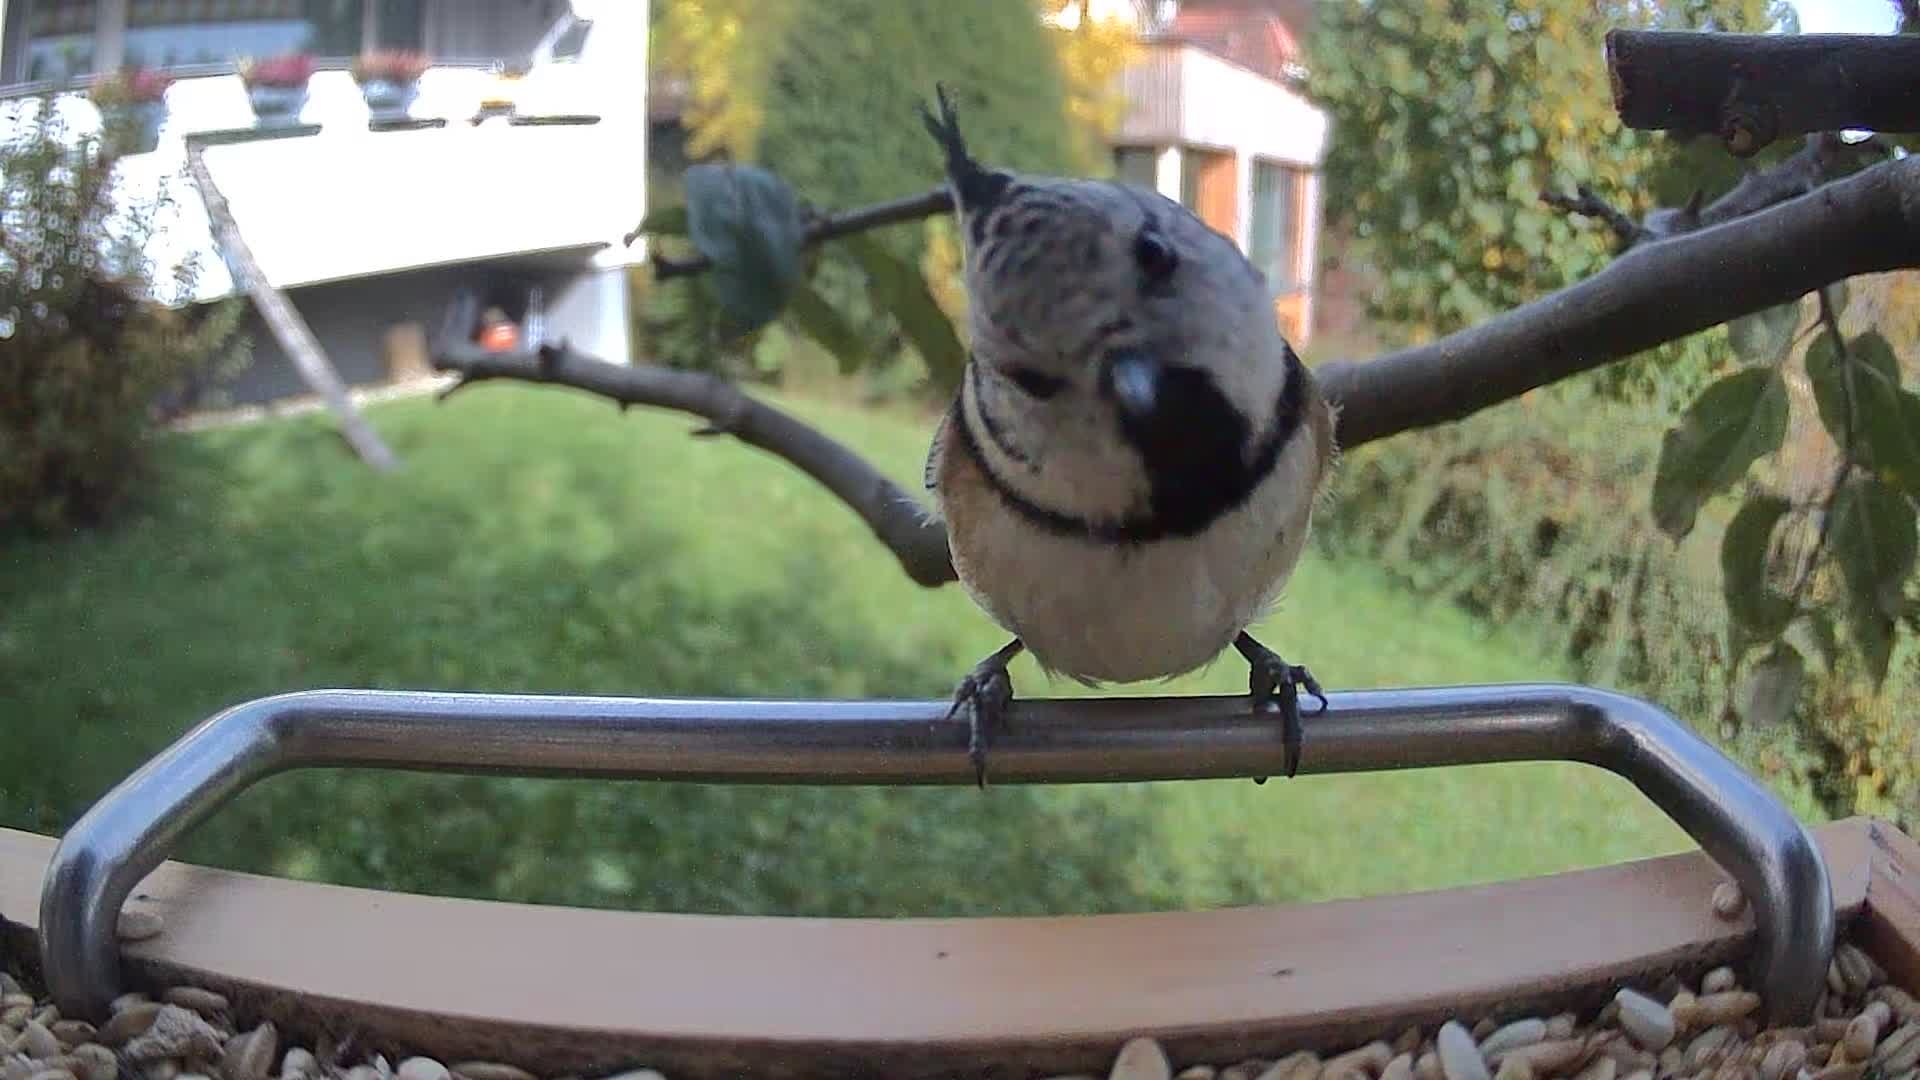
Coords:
pixel 288 328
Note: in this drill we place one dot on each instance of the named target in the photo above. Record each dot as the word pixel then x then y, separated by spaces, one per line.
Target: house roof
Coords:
pixel 1255 36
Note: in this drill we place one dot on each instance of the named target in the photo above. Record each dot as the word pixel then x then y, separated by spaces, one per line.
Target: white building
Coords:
pixel 374 233
pixel 1215 120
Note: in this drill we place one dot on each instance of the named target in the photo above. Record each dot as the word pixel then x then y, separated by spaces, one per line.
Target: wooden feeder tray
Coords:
pixel 564 991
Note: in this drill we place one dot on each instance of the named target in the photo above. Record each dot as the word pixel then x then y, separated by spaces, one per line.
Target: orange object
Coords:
pixel 497 332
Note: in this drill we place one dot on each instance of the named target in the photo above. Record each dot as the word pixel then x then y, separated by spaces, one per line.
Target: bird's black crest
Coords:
pixel 975 187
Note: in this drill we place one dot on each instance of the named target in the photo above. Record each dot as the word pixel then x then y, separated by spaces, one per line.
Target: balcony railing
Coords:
pixel 350 201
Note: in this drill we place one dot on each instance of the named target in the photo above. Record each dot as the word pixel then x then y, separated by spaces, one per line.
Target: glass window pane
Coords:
pixel 60 39
pixel 164 33
pixel 397 24
pixel 1137 165
pixel 573 40
pixel 1271 235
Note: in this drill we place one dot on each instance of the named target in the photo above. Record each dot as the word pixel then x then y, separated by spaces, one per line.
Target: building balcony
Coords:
pixel 558 178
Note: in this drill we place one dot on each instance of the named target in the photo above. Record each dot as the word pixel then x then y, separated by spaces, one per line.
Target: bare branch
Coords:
pixel 1655 293
pixel 896 517
pixel 1588 204
pixel 1662 289
pixel 1825 157
pixel 1751 89
pixel 894 212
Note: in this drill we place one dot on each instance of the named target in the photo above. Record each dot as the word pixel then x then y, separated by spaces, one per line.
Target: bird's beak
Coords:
pixel 1134 377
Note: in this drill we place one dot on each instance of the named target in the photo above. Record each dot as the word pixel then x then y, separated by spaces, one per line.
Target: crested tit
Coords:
pixel 1128 472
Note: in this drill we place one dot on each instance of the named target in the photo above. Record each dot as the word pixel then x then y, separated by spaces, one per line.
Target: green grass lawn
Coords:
pixel 538 540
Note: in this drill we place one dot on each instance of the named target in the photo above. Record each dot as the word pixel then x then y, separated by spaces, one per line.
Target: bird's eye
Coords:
pixel 1034 383
pixel 1155 255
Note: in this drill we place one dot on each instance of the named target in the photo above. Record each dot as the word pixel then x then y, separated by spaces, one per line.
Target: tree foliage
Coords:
pixel 1726 524
pixel 1094 53
pixel 1451 117
pixel 1771 462
pixel 824 96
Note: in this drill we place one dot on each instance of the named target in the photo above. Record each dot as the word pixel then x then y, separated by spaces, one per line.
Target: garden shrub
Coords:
pixel 90 356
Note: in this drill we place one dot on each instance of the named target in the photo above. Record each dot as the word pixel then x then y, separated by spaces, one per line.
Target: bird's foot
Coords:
pixel 1272 679
pixel 985 693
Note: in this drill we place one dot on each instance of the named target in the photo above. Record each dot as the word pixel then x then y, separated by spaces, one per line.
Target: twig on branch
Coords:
pixel 1830 322
pixel 1825 156
pixel 912 208
pixel 1588 204
pixel 1865 224
pixel 895 517
pixel 1750 89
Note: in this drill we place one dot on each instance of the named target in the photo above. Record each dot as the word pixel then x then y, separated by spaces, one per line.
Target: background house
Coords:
pixel 374 234
pixel 1216 119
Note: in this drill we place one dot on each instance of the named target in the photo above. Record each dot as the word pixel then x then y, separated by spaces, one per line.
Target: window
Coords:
pixel 573 40
pixel 1137 165
pixel 1273 236
pixel 170 33
pixel 62 38
pixel 397 24
pixel 59 40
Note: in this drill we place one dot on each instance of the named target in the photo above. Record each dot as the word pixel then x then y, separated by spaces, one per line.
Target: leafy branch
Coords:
pixel 1865 524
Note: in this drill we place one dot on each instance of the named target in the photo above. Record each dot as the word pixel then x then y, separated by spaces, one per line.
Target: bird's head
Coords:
pixel 1110 323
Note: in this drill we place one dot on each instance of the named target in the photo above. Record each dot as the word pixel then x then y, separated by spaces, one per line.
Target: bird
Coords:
pixel 1128 470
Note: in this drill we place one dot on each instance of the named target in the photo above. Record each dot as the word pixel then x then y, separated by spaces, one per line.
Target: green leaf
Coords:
pixel 1886 437
pixel 747 221
pixel 1732 424
pixel 1759 613
pixel 1764 336
pixel 902 290
pixel 815 317
pixel 1771 686
pixel 1872 538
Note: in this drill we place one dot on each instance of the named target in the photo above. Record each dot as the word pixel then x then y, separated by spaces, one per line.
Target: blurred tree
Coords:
pixel 825 95
pixel 1093 54
pixel 1450 118
pixel 89 352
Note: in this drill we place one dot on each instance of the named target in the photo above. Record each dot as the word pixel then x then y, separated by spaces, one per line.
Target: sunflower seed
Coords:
pixel 490 1070
pixel 1899 1051
pixel 1783 1060
pixel 1459 1055
pixel 425 1068
pixel 1646 1020
pixel 1512 1036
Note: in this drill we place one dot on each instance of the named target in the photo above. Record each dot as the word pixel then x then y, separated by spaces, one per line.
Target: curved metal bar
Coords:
pixel 130 831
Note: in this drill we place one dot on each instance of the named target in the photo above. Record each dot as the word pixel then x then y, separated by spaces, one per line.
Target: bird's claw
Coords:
pixel 1273 680
pixel 985 693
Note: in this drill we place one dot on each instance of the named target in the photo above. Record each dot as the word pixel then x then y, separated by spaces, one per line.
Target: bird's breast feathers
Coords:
pixel 1129 602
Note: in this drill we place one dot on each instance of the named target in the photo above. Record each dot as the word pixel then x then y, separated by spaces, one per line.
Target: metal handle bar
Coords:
pixel 130 831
